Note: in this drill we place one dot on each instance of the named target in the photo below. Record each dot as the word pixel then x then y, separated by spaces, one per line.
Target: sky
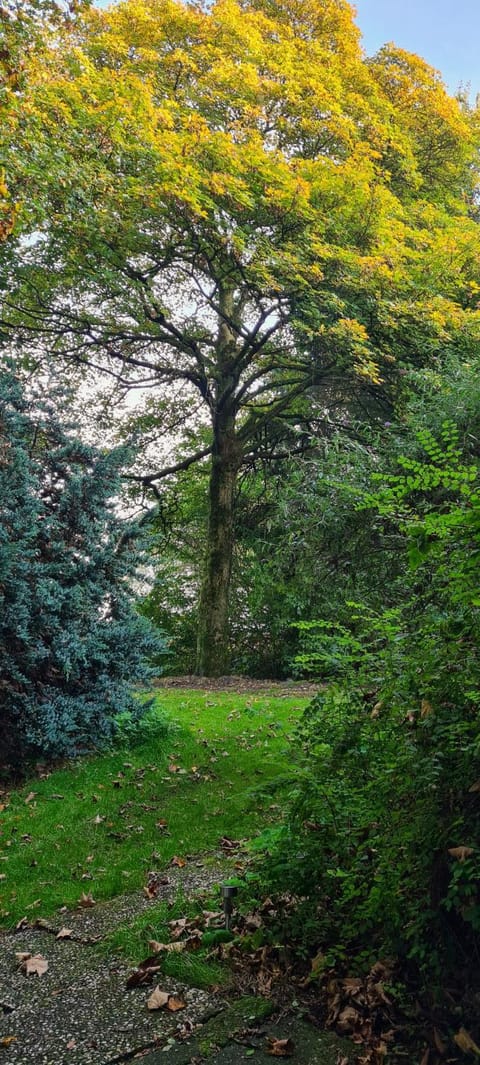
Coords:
pixel 445 32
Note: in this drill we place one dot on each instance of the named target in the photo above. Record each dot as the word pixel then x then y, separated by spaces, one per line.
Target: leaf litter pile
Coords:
pixel 364 1009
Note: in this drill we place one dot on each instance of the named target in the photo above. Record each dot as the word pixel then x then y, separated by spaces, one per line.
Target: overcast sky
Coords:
pixel 445 32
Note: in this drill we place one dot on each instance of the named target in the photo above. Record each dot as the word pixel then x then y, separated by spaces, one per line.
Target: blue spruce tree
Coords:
pixel 71 643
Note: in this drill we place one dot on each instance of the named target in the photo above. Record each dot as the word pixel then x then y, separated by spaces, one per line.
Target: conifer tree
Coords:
pixel 71 643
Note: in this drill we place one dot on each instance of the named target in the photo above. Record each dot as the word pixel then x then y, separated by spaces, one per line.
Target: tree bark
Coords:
pixel 213 635
pixel 212 631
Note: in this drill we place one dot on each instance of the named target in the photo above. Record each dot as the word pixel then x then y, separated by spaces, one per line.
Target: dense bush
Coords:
pixel 383 834
pixel 71 644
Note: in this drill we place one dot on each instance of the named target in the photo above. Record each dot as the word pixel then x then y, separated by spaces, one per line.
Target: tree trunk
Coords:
pixel 213 639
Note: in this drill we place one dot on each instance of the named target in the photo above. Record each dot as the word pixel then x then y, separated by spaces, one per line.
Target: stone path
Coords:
pixel 80 1013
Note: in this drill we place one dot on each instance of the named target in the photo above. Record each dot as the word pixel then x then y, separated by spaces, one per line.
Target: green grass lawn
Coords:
pixel 192 777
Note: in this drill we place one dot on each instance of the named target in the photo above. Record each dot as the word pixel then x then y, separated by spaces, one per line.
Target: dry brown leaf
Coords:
pixel 178 861
pixel 86 899
pixel 36 965
pixel 178 926
pixel 144 973
pixel 464 1040
pixel 64 933
pixel 170 948
pixel 460 852
pixel 31 795
pixel 475 786
pixel 440 1045
pixel 71 1044
pixel 347 1020
pixel 228 844
pixel 155 946
pixel 158 999
pixel 426 708
pixel 280 1048
pixel 211 916
pixel 8 1040
pixel 193 942
pixel 174 1004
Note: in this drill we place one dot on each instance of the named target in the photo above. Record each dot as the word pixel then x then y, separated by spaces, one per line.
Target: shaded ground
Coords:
pixel 240 685
pixel 79 1012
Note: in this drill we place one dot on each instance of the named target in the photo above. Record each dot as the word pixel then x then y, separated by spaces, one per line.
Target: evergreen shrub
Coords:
pixel 71 644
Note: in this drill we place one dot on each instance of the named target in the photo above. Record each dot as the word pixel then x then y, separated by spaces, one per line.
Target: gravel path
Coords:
pixel 79 1011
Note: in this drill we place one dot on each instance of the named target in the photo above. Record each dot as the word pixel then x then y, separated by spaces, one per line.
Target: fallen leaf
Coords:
pixel 64 933
pixel 8 1040
pixel 71 1044
pixel 34 964
pixel 464 1040
pixel 158 999
pixel 144 972
pixel 169 948
pixel 318 963
pixel 178 926
pixel 174 1004
pixel 178 861
pixel 460 852
pixel 440 1045
pixel 426 708
pixel 31 795
pixel 280 1048
pixel 86 899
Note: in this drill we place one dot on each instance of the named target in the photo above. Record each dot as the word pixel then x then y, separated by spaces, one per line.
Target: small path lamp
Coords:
pixel 228 892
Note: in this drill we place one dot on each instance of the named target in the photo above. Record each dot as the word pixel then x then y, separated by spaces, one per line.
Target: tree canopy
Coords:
pixel 244 217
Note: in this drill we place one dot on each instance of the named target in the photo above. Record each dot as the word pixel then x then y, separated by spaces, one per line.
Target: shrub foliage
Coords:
pixel 70 641
pixel 383 839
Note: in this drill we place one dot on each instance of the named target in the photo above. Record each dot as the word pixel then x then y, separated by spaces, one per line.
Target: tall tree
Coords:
pixel 244 213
